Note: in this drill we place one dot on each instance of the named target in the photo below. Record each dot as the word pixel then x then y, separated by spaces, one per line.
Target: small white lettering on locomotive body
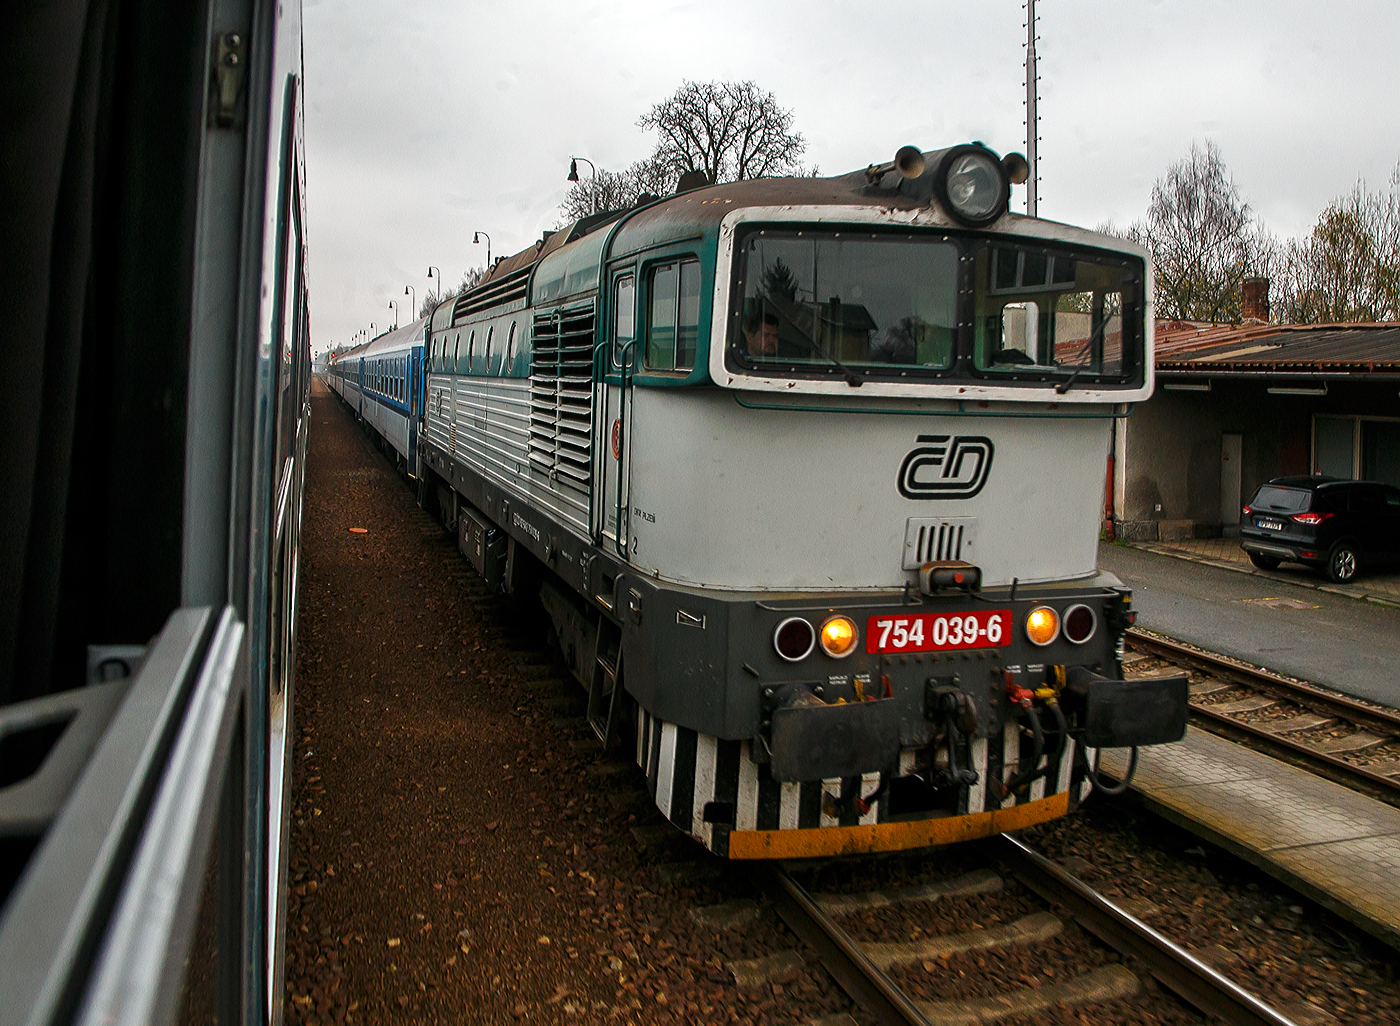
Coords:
pixel 526 526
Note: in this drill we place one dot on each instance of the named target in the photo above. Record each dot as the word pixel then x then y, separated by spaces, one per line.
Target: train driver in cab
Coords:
pixel 761 335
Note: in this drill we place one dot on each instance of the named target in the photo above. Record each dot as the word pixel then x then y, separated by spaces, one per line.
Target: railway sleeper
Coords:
pixel 1107 983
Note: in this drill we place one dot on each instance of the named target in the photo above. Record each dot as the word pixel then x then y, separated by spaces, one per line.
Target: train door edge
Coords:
pixel 613 399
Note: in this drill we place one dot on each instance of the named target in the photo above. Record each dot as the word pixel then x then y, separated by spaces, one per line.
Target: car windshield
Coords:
pixel 847 299
pixel 1281 500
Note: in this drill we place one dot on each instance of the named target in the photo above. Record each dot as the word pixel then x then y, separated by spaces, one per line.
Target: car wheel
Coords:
pixel 1341 563
pixel 1263 562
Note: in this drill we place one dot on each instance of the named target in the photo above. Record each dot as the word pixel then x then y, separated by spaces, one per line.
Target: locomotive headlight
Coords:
pixel 794 639
pixel 1042 625
pixel 973 186
pixel 839 637
pixel 1080 623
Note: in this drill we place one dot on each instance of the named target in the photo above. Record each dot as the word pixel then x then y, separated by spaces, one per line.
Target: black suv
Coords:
pixel 1326 522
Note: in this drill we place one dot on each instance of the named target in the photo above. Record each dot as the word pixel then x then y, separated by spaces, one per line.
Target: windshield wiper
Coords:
pixel 1096 336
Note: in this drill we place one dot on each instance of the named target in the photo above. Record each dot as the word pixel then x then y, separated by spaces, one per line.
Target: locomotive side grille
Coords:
pixel 932 539
pixel 561 396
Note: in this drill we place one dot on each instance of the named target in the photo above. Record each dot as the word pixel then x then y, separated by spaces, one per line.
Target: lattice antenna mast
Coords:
pixel 1032 114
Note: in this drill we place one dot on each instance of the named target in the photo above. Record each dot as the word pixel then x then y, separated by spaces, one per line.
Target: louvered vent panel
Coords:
pixel 934 539
pixel 561 397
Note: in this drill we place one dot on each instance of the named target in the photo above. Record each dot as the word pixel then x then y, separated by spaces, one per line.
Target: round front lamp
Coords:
pixel 1042 625
pixel 973 186
pixel 839 636
pixel 794 639
pixel 1080 624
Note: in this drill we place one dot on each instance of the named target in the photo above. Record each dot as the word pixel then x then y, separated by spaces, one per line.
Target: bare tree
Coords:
pixel 1203 238
pixel 1347 268
pixel 732 131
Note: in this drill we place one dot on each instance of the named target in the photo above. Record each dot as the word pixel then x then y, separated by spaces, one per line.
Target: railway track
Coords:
pixel 1344 740
pixel 871 973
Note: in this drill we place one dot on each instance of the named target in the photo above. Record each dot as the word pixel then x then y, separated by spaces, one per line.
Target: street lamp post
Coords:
pixel 412 300
pixel 431 271
pixel 394 306
pixel 593 183
pixel 476 238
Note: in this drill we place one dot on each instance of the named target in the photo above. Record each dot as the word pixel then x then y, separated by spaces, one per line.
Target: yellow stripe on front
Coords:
pixel 919 833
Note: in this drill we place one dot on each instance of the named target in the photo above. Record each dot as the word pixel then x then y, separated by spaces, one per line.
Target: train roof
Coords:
pixel 396 341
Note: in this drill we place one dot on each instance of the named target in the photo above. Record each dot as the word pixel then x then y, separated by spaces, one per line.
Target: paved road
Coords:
pixel 1350 645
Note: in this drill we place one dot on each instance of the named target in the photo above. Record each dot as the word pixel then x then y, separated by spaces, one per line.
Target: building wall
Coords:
pixel 1173 443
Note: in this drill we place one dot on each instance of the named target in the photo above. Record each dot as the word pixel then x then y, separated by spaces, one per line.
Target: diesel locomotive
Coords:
pixel 806 473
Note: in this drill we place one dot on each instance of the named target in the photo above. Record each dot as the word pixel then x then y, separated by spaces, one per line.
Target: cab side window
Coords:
pixel 673 316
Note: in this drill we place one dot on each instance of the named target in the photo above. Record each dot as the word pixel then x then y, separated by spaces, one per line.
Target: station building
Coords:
pixel 1239 404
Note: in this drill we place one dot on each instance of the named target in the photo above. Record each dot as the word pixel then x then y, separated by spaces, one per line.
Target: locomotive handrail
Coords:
pixel 626 357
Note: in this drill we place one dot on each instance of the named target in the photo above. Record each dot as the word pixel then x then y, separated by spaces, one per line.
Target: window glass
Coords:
pixel 624 315
pixel 510 349
pixel 490 349
pixel 1043 311
pixel 1280 499
pixel 688 316
pixel 471 350
pixel 457 353
pixel 839 299
pixel 661 320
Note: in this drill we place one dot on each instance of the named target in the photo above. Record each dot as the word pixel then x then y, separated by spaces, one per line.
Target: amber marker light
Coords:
pixel 1042 625
pixel 839 637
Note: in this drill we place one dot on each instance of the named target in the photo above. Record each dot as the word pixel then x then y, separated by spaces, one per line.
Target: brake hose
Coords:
pixel 1024 777
pixel 1122 785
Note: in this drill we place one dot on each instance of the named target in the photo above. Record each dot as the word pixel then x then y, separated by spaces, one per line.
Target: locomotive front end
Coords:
pixel 868 559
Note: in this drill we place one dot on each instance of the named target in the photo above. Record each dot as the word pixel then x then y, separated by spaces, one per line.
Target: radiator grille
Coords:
pixel 561 396
pixel 931 539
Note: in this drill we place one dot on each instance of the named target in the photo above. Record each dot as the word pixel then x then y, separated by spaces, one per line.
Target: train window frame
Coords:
pixel 961 368
pixel 489 349
pixel 509 364
pixel 1054 254
pixel 686 266
pixel 624 279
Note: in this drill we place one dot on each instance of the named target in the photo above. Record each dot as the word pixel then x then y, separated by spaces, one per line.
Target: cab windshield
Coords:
pixel 814 299
pixel 826 302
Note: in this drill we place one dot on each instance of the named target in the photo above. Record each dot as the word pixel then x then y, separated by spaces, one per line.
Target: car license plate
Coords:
pixel 1270 525
pixel 937 632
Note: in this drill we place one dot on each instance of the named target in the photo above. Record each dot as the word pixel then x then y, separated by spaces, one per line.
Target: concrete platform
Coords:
pixel 1337 847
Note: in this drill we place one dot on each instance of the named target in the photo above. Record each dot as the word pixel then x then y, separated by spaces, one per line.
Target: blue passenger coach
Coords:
pixel 382 382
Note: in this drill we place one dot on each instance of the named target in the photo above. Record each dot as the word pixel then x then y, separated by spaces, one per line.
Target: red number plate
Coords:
pixel 937 632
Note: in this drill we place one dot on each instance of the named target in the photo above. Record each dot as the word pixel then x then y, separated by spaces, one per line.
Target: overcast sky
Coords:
pixel 427 121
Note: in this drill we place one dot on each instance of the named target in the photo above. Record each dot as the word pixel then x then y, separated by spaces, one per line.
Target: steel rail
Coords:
pixel 1187 977
pixel 1253 676
pixel 1322 764
pixel 859 977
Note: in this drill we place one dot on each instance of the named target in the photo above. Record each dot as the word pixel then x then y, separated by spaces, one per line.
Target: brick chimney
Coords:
pixel 1254 305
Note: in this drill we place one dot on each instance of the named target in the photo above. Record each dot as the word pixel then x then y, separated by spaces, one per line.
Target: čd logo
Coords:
pixel 946 467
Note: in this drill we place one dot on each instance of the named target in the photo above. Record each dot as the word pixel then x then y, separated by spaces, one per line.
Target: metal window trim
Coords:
pixel 48 934
pixel 140 969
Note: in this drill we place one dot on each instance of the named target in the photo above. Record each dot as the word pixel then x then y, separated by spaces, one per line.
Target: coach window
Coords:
pixel 490 349
pixel 471 349
pixel 510 351
pixel 673 316
pixel 624 315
